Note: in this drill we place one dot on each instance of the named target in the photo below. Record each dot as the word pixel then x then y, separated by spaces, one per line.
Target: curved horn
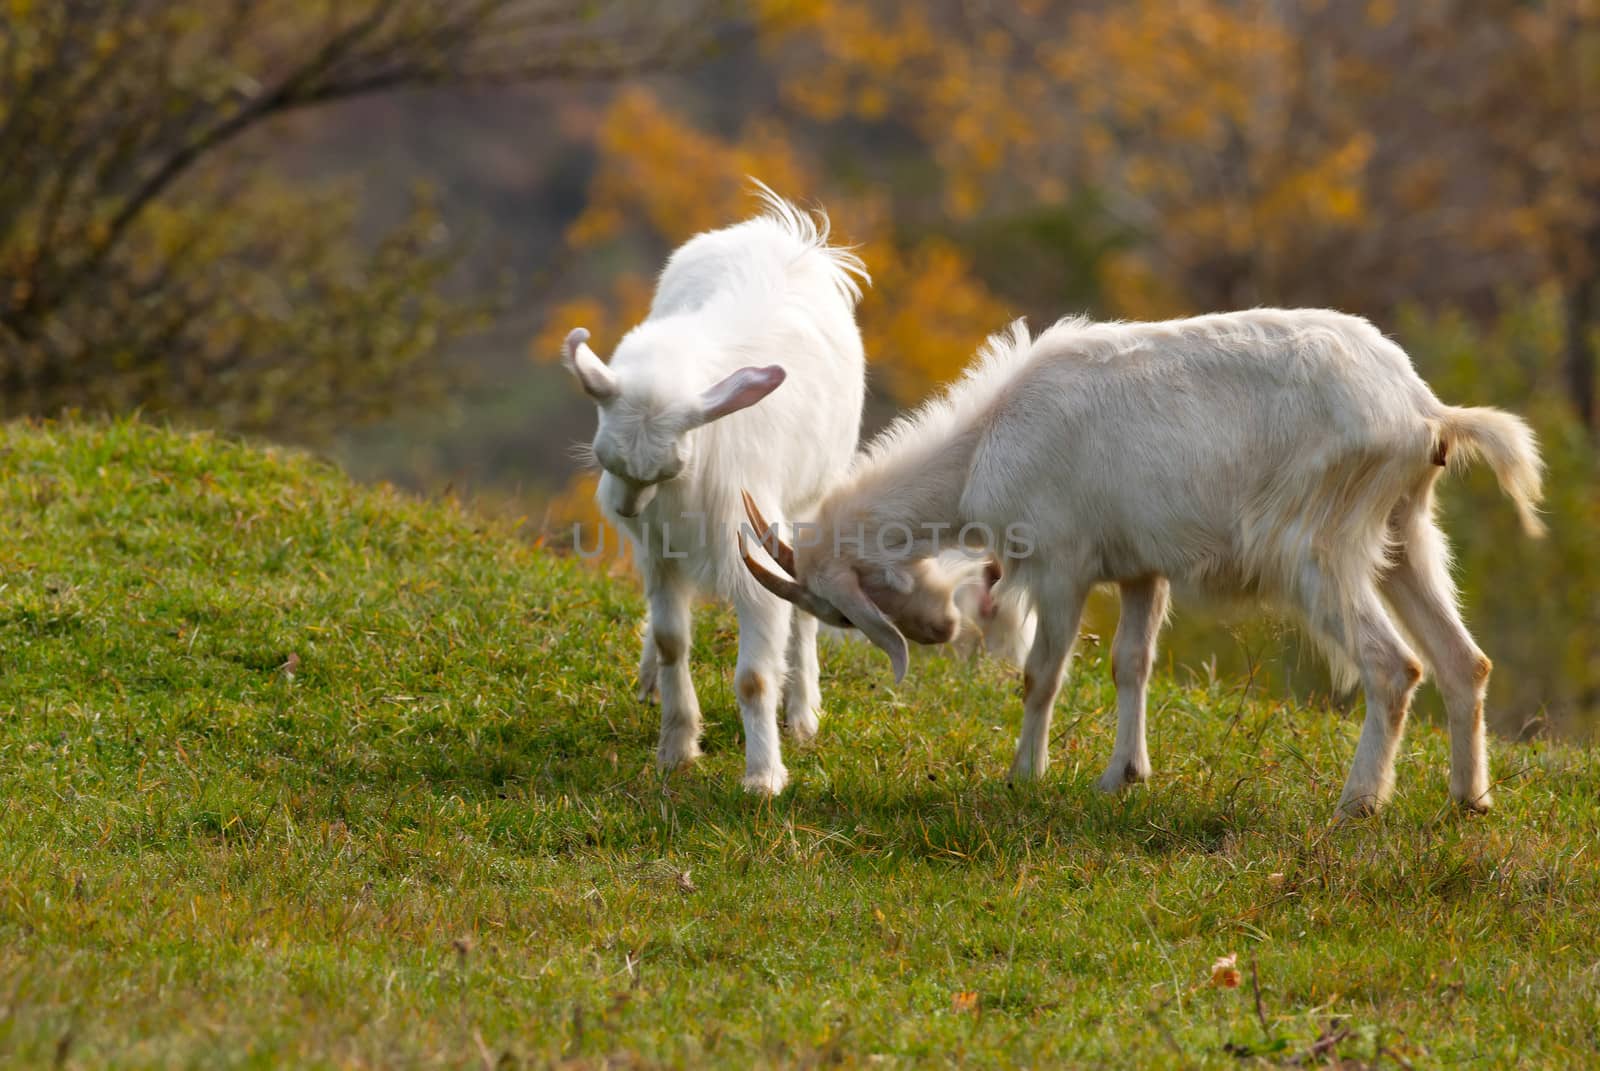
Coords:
pixel 873 622
pixel 789 591
pixel 598 381
pixel 781 552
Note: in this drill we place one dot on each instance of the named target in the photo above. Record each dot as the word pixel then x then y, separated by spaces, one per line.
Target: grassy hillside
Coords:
pixel 440 841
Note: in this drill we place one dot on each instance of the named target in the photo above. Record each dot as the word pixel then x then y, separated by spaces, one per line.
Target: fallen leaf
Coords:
pixel 1225 971
pixel 684 883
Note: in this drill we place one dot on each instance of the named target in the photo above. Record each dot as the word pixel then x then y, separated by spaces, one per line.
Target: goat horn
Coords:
pixel 599 382
pixel 781 586
pixel 864 614
pixel 781 552
pixel 789 591
pixel 578 336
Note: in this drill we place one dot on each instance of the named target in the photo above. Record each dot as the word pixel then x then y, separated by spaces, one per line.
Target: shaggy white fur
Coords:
pixel 680 434
pixel 1284 455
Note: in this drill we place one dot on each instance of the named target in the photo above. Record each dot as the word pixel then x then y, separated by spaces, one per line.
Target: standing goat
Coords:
pixel 677 439
pixel 1289 456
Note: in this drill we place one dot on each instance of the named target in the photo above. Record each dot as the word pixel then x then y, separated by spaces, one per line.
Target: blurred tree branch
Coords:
pixel 110 110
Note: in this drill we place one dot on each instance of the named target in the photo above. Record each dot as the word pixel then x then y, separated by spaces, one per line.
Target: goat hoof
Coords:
pixel 1113 781
pixel 1482 803
pixel 766 782
pixel 647 688
pixel 1022 772
pixel 672 754
pixel 1119 775
pixel 1359 805
pixel 803 724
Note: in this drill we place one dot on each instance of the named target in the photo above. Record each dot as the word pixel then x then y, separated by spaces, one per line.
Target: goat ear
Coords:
pixel 899 579
pixel 740 390
pixel 847 597
pixel 992 574
pixel 599 382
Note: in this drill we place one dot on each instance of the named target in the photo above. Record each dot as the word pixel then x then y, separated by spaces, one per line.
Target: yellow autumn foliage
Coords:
pixel 658 168
pixel 926 311
pixel 1230 153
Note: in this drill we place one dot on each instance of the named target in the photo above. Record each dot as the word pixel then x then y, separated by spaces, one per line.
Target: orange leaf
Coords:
pixel 1225 971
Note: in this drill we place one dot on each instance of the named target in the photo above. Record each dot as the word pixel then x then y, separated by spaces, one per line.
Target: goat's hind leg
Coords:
pixel 668 637
pixel 1359 625
pixel 763 638
pixel 647 687
pixel 1423 597
pixel 1144 607
pixel 802 694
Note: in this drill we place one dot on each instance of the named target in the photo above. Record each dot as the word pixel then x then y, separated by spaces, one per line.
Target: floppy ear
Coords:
pixel 847 597
pixel 740 390
pixel 992 575
pixel 598 381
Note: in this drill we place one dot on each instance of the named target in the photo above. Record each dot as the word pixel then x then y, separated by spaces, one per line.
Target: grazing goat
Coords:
pixel 677 438
pixel 1288 456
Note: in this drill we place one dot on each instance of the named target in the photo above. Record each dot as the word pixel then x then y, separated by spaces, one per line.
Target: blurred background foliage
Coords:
pixel 367 224
pixel 156 253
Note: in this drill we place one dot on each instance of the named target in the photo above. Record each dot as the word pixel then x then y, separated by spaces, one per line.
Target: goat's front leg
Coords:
pixel 757 680
pixel 668 637
pixel 1058 618
pixel 802 694
pixel 1144 605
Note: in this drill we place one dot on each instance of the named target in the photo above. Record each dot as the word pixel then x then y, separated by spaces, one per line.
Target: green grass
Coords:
pixel 442 842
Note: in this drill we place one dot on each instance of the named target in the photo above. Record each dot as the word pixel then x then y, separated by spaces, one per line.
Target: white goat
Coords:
pixel 677 440
pixel 1284 455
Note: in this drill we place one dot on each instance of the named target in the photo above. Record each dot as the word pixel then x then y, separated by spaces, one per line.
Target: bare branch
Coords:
pixel 109 108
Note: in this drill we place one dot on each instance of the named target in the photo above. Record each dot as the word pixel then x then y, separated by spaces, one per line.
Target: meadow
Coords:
pixel 298 771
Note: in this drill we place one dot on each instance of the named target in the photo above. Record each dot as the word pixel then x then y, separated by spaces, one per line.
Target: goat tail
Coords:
pixel 1507 444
